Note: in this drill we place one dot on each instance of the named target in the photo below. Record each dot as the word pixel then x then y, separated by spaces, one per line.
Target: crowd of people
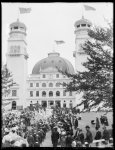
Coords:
pixel 22 129
pixel 63 122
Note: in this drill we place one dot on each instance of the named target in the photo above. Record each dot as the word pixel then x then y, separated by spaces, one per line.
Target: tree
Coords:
pixel 7 81
pixel 97 82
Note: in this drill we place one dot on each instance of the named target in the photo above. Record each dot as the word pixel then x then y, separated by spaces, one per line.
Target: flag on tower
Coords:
pixel 24 10
pixel 59 42
pixel 89 7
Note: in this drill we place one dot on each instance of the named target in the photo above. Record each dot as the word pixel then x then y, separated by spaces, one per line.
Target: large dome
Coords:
pixel 53 61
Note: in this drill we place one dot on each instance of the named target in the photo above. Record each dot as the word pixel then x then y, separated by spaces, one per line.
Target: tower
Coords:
pixel 81 33
pixel 16 58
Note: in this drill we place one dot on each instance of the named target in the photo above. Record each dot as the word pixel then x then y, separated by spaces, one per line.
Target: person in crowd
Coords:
pixel 76 134
pixel 98 135
pixel 76 123
pixel 89 137
pixel 105 134
pixel 80 136
pixel 69 140
pixel 97 123
pixel 55 137
pixel 30 140
pixel 63 139
pixel 73 143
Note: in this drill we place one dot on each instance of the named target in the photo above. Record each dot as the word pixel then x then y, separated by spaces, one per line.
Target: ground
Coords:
pixel 86 120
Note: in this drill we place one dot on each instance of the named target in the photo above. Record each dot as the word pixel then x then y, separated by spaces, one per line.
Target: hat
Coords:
pixel 6 130
pixel 63 133
pixel 87 127
pixel 86 143
pixel 17 144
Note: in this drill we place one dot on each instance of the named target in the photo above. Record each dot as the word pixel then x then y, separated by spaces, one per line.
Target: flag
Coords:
pixel 24 10
pixel 89 7
pixel 59 42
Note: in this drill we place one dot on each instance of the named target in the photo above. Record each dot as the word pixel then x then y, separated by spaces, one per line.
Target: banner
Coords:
pixel 89 7
pixel 24 10
pixel 59 42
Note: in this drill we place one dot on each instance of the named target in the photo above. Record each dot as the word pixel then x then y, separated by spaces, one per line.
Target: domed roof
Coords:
pixel 82 21
pixel 17 23
pixel 53 60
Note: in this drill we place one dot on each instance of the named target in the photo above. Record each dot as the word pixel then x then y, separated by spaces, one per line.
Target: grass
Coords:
pixel 88 116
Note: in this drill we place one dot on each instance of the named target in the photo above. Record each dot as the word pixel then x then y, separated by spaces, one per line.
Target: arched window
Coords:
pixel 37 93
pixel 70 93
pixel 50 93
pixel 64 104
pixel 43 93
pixel 43 84
pixel 57 93
pixel 64 93
pixel 14 105
pixel 50 84
pixel 57 84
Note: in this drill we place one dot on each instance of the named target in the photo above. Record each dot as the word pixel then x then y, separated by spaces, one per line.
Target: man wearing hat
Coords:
pixel 89 137
pixel 81 136
pixel 55 137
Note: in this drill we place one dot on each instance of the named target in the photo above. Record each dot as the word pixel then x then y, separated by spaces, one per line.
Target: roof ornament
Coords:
pixel 17 19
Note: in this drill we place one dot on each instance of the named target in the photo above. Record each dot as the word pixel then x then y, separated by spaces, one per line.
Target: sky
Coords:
pixel 48 22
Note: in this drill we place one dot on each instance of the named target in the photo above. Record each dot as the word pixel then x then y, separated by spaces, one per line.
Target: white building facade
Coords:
pixel 43 85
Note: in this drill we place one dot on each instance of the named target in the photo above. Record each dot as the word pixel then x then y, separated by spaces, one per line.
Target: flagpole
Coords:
pixel 18 14
pixel 82 9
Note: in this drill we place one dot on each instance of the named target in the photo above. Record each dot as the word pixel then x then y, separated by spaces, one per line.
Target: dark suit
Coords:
pixel 105 135
pixel 89 137
pixel 54 138
pixel 98 135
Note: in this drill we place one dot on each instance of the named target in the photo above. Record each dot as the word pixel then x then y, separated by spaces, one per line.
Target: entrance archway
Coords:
pixel 50 103
pixel 64 105
pixel 14 105
pixel 58 103
pixel 44 104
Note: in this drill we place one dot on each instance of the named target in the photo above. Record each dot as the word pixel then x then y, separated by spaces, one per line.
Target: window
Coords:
pixel 64 93
pixel 31 84
pixel 78 26
pixel 57 84
pixel 57 75
pixel 70 93
pixel 43 93
pixel 15 27
pixel 43 84
pixel 37 84
pixel 37 93
pixel 83 25
pixel 44 76
pixel 14 105
pixel 50 84
pixel 57 93
pixel 14 93
pixel 31 93
pixel 50 94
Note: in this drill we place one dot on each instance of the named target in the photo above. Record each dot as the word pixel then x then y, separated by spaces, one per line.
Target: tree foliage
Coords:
pixel 7 81
pixel 97 82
